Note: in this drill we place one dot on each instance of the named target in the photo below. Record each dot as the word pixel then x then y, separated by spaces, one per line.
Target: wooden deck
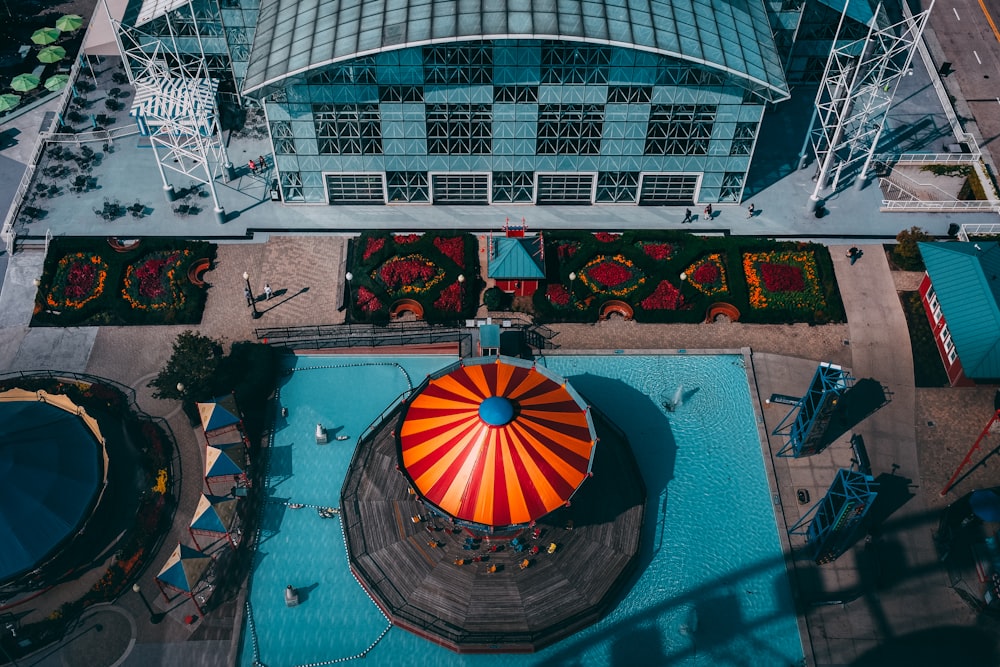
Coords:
pixel 465 607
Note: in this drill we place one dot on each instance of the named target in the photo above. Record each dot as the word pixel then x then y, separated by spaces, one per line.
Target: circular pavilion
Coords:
pixel 53 470
pixel 493 510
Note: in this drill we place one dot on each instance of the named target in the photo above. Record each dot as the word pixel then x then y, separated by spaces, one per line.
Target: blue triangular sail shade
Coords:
pixel 220 463
pixel 214 514
pixel 218 414
pixel 184 568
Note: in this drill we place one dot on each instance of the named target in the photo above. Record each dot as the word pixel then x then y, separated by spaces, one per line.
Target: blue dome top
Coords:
pixel 496 410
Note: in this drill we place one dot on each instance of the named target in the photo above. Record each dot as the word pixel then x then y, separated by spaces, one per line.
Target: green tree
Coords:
pixel 193 364
pixel 907 253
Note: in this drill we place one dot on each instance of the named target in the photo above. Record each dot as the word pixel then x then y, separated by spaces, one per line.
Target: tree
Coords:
pixel 907 253
pixel 194 364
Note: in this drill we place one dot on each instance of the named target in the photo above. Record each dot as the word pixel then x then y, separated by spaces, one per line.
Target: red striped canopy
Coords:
pixel 497 443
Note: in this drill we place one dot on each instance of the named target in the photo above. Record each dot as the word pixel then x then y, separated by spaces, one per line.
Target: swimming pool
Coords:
pixel 710 588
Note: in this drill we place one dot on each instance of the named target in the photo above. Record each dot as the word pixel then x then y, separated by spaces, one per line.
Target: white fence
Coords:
pixel 966 232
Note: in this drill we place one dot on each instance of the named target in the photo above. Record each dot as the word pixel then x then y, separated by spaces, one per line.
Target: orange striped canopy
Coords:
pixel 497 442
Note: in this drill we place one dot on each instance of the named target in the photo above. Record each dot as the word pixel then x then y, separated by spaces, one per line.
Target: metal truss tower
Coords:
pixel 176 101
pixel 830 525
pixel 858 87
pixel 812 412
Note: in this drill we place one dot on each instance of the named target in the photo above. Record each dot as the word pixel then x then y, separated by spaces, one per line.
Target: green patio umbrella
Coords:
pixel 69 22
pixel 45 35
pixel 56 82
pixel 24 82
pixel 8 102
pixel 51 54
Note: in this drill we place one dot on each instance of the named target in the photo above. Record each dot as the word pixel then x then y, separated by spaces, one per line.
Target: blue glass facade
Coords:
pixel 513 121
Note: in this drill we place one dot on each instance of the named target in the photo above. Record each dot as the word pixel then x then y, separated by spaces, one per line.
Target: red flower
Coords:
pixel 374 245
pixel 152 281
pixel 782 277
pixel 450 299
pixel 395 274
pixel 80 280
pixel 658 251
pixel 558 295
pixel 606 237
pixel 609 274
pixel 403 239
pixel 566 250
pixel 707 274
pixel 453 248
pixel 367 301
pixel 666 297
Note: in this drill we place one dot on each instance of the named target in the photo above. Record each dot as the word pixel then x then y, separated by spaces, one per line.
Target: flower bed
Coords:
pixel 708 275
pixel 783 280
pixel 453 248
pixel 79 279
pixel 85 284
pixel 658 251
pixel 614 275
pixel 367 301
pixel 451 299
pixel 410 274
pixel 665 297
pixel 153 283
pixel 373 246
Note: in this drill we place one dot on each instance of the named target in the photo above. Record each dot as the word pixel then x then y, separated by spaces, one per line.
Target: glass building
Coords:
pixel 545 102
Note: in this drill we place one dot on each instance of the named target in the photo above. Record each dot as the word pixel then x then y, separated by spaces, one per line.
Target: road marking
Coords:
pixel 989 19
pixel 977 58
pixel 956 13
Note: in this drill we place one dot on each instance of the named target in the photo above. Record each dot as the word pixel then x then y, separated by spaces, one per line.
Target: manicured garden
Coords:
pixel 92 282
pixel 439 271
pixel 676 277
pixel 928 369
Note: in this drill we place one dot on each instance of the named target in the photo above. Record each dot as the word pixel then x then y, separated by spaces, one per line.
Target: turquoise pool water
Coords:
pixel 710 589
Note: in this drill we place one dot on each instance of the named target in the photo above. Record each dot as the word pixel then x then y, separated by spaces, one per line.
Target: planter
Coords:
pixel 609 308
pixel 406 306
pixel 197 270
pixel 720 309
pixel 123 245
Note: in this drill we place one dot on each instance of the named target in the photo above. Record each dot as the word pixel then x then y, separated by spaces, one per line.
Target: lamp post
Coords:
pixel 684 276
pixel 349 276
pixel 180 389
pixel 253 301
pixel 154 617
pixel 572 279
pixel 461 292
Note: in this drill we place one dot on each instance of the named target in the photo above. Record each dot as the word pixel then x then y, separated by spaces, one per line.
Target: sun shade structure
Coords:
pixel 9 101
pixel 222 463
pixel 24 82
pixel 222 413
pixel 69 22
pixel 45 35
pixel 213 516
pixel 53 469
pixel 496 442
pixel 51 54
pixel 56 82
pixel 182 571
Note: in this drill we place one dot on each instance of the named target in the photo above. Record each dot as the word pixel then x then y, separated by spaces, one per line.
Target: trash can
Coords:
pixel 275 191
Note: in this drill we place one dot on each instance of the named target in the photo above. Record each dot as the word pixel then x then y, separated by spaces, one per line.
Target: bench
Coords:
pixel 722 309
pixel 406 306
pixel 613 307
pixel 197 270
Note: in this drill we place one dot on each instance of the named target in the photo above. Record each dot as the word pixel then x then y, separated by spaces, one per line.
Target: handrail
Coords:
pixel 967 231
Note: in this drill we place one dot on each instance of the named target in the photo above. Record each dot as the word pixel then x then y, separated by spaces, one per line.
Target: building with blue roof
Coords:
pixel 961 295
pixel 516 263
pixel 502 102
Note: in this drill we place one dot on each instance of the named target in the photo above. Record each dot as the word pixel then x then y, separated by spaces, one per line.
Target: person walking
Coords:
pixel 252 165
pixel 687 216
pixel 267 291
pixel 854 254
pixel 708 211
pixel 248 295
pixel 751 210
pixel 261 163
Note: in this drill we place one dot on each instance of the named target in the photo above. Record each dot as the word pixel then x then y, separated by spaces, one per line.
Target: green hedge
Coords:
pixel 111 308
pixel 364 273
pixel 688 249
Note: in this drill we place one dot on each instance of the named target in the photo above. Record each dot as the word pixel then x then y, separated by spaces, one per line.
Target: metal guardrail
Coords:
pixel 940 206
pixel 965 232
pixel 366 335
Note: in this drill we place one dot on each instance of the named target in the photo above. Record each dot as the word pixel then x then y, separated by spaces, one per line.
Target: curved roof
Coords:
pixel 50 473
pixel 294 36
pixel 497 442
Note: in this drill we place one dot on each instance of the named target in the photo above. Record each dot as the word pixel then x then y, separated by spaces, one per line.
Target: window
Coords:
pixel 281 133
pixel 679 129
pixel 565 188
pixel 461 188
pixel 513 187
pixel 934 305
pixel 665 189
pixel 291 186
pixel 348 129
pixel 743 139
pixel 952 356
pixel 459 129
pixel 459 64
pixel 732 185
pixel 617 187
pixel 361 71
pixel 406 187
pixel 568 63
pixel 629 94
pixel 516 94
pixel 673 72
pixel 948 344
pixel 400 94
pixel 570 129
pixel 944 333
pixel 355 188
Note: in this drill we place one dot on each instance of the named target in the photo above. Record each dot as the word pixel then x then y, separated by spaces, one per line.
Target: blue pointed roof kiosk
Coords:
pixel 182 572
pixel 219 414
pixel 214 516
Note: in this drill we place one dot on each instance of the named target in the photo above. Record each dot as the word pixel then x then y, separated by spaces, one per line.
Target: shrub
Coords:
pixel 193 363
pixel 907 253
pixel 496 299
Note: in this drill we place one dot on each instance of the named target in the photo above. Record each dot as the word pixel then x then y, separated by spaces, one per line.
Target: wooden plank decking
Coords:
pixel 466 607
